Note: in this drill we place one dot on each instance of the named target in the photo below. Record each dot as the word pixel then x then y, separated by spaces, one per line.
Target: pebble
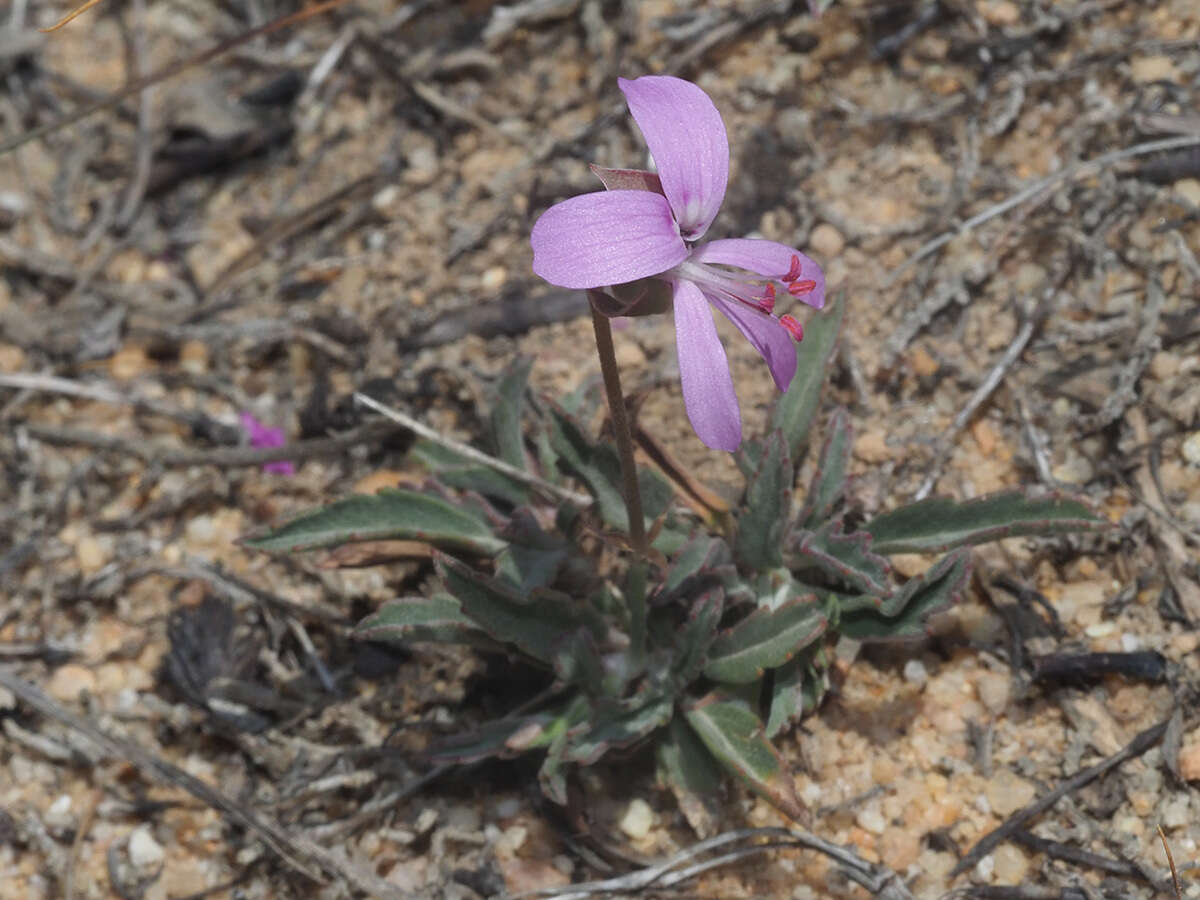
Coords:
pixel 1164 364
pixel 145 852
pixel 1191 448
pixel 193 357
pixel 1188 189
pixel 92 554
pixel 1176 812
pixel 1001 12
pixel 129 362
pixel 1007 792
pixel 872 447
pixel 1189 757
pixel 58 815
pixel 870 819
pixel 910 565
pixel 923 364
pixel 985 869
pixel 899 848
pixel 12 357
pixel 1145 69
pixel 69 681
pixel 638 819
pixel 1012 865
pixel 915 672
pixel 826 241
pixel 993 690
pixel 494 278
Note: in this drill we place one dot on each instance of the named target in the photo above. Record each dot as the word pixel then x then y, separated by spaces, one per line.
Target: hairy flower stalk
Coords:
pixel 646 226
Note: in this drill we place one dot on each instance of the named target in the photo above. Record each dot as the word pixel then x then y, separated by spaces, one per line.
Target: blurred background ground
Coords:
pixel 345 203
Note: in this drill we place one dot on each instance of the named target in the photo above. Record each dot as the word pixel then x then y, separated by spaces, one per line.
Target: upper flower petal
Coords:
pixel 605 238
pixel 763 257
pixel 708 394
pixel 767 336
pixel 687 139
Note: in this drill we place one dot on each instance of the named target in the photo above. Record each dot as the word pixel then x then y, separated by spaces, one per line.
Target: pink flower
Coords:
pixel 610 238
pixel 264 436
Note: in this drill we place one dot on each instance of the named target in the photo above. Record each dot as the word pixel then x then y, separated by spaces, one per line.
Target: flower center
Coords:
pixel 754 291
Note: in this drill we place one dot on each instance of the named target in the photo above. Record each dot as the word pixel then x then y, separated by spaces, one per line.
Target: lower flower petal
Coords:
pixel 605 238
pixel 767 336
pixel 763 257
pixel 708 393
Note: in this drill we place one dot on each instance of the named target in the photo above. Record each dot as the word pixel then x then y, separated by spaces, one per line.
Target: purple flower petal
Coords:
pixel 708 394
pixel 687 139
pixel 767 258
pixel 609 237
pixel 766 335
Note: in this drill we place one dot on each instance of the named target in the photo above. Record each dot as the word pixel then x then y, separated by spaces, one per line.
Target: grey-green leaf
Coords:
pixel 506 414
pixel 598 467
pixel 734 735
pixel 614 724
pixel 794 411
pixel 688 769
pixel 829 481
pixel 764 639
pixel 537 624
pixel 844 557
pixel 764 516
pixel 905 614
pixel 438 618
pixel 941 524
pixel 389 514
pixel 798 688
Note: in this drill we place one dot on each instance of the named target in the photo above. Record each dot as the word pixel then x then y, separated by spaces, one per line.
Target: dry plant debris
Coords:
pixel 1009 193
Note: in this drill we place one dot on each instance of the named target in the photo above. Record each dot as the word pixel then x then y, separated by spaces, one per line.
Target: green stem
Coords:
pixel 624 439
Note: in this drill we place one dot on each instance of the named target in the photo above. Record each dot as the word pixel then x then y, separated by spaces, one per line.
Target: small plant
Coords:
pixel 663 613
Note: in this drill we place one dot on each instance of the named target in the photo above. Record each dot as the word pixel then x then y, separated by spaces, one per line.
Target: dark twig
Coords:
pixel 1078 856
pixel 1018 820
pixel 1144 665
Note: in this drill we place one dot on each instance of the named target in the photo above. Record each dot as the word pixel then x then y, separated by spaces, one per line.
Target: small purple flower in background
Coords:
pixel 265 436
pixel 614 237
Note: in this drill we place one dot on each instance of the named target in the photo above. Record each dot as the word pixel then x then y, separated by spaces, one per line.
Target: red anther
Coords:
pixel 800 288
pixel 767 302
pixel 794 328
pixel 794 271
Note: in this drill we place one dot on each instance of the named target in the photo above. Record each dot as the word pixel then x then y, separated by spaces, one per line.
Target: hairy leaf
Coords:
pixel 391 513
pixel 764 639
pixel 599 468
pixel 798 688
pixel 533 556
pixel 614 724
pixel 537 624
pixel 688 769
pixel 695 636
pixel 941 524
pixel 438 618
pixel 846 558
pixel 763 518
pixel 829 481
pixel 794 411
pixel 503 738
pixel 734 735
pixel 905 614
pixel 505 420
pixel 577 661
